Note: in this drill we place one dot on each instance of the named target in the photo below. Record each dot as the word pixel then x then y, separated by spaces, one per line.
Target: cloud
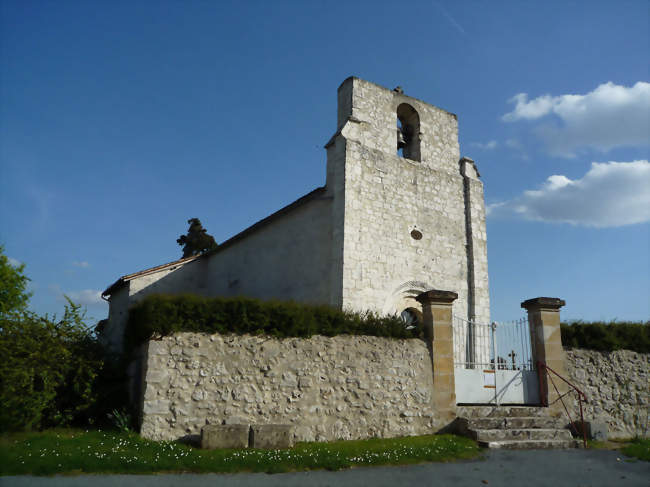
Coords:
pixel 610 194
pixel 86 297
pixel 609 116
pixel 83 264
pixel 492 144
pixel 14 262
pixel 529 110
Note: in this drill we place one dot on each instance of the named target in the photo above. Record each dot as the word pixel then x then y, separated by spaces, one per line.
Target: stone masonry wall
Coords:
pixel 617 385
pixel 344 387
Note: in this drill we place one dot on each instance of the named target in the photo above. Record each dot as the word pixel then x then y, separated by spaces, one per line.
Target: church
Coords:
pixel 401 212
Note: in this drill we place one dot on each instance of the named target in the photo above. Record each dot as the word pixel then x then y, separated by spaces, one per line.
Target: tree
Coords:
pixel 48 369
pixel 197 239
pixel 14 297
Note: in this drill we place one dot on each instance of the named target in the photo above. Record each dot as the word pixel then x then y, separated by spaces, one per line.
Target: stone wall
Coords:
pixel 344 387
pixel 617 385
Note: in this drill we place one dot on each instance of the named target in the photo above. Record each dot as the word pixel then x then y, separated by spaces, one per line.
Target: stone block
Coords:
pixel 271 436
pixel 596 430
pixel 224 436
pixel 157 406
pixel 157 375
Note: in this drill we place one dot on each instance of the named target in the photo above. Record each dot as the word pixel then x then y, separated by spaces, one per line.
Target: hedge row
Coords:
pixel 164 315
pixel 607 337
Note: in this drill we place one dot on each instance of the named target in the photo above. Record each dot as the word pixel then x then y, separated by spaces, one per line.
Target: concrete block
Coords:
pixel 271 436
pixel 596 430
pixel 225 436
pixel 156 406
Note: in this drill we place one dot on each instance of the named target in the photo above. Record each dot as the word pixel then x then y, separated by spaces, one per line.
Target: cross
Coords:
pixel 512 355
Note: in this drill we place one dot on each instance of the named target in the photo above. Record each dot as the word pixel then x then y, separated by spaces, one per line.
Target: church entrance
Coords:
pixel 494 363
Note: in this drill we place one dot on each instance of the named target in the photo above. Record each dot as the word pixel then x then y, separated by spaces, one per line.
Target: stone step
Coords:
pixel 525 422
pixel 530 444
pixel 520 434
pixel 500 411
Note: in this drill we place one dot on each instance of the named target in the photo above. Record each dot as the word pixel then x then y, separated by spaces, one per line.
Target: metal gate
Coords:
pixel 494 363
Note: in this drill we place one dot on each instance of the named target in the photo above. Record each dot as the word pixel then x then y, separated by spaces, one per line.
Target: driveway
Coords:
pixel 530 468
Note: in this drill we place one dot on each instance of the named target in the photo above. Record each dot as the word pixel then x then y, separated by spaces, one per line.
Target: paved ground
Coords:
pixel 531 468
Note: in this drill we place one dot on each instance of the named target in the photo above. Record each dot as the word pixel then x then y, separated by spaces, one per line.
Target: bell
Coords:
pixel 401 143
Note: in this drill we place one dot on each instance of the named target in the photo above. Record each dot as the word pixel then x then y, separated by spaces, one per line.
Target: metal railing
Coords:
pixel 543 395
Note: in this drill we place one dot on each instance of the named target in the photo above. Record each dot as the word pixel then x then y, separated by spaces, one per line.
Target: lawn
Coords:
pixel 639 448
pixel 66 451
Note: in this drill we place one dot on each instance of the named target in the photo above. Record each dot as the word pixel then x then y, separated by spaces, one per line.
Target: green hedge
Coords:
pixel 607 337
pixel 164 315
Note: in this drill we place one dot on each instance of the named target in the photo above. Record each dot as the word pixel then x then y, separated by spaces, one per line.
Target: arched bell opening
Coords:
pixel 408 132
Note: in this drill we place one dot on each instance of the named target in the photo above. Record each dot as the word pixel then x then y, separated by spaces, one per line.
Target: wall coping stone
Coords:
pixel 543 302
pixel 437 295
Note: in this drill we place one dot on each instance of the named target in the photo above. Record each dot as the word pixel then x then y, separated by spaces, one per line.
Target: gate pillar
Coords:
pixel 437 321
pixel 546 339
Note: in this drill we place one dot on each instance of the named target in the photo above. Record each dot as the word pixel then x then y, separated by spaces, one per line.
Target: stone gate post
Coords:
pixel 437 321
pixel 546 338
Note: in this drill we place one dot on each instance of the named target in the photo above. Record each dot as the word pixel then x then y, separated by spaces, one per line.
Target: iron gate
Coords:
pixel 494 363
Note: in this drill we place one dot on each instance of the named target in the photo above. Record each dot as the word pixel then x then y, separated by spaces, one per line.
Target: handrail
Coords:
pixel 543 395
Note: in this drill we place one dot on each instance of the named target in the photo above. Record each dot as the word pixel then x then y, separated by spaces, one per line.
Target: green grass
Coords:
pixel 639 448
pixel 66 451
pixel 598 445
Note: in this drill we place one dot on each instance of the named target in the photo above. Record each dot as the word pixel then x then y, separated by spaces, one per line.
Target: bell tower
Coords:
pixel 408 213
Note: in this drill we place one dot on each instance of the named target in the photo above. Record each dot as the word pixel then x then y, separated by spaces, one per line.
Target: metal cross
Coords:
pixel 512 355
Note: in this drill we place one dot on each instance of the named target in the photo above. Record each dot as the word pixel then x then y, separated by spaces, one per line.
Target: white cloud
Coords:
pixel 83 264
pixel 86 297
pixel 607 117
pixel 610 194
pixel 529 110
pixel 13 262
pixel 492 144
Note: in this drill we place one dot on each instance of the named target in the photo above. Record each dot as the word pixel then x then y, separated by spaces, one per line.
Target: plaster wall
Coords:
pixel 118 314
pixel 182 278
pixel 288 259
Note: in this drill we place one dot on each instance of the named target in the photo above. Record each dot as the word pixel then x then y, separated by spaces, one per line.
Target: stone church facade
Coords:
pixel 401 213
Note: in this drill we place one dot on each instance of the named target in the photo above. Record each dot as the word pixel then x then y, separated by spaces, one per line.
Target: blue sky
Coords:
pixel 120 120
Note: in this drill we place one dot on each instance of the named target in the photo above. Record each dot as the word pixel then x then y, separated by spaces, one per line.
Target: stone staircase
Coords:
pixel 514 427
